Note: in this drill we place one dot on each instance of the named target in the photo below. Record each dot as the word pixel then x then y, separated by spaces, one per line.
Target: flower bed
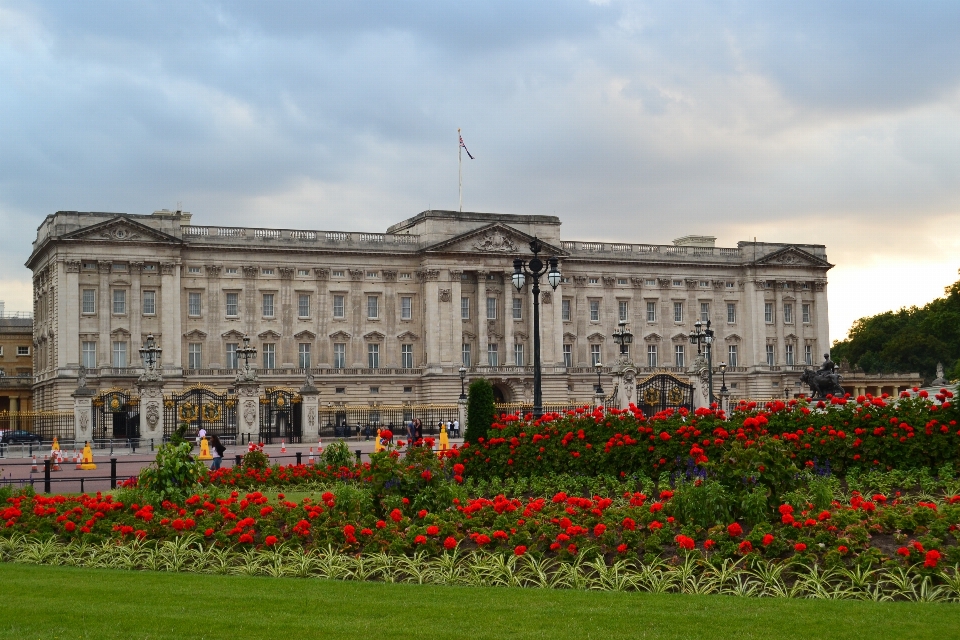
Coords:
pixel 846 434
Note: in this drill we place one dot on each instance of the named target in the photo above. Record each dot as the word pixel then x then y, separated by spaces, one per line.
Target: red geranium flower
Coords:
pixel 931 559
pixel 520 550
pixel 799 547
pixel 622 548
pixel 734 530
pixel 420 540
pixel 685 542
pixel 396 515
pixel 767 539
pixel 746 547
pixel 433 530
pixel 269 541
pixel 450 543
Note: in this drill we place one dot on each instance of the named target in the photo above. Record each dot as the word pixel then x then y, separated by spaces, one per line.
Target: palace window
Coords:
pixel 594 354
pixel 149 303
pixel 678 312
pixel 491 308
pixel 789 355
pixel 233 305
pixel 623 308
pixel 681 355
pixel 518 308
pixel 465 308
pixel 731 312
pixel 193 269
pixel 771 356
pixel 269 355
pixel 338 306
pixel 303 272
pixel 119 301
pixel 193 305
pixel 805 312
pixel 373 307
pixel 89 354
pixel 406 308
pixel 568 355
pixel 518 355
pixel 194 355
pixel 492 355
pixel 808 354
pixel 373 355
pixel 768 312
pixel 594 311
pixel 119 354
pixel 303 353
pixel 89 301
pixel 565 310
pixel 788 313
pixel 732 355
pixel 406 356
pixel 465 354
pixel 232 355
pixel 704 311
pixel 651 311
pixel 268 306
pixel 651 355
pixel 339 355
pixel 303 305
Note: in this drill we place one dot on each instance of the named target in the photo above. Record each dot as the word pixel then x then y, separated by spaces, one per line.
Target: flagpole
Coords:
pixel 460 167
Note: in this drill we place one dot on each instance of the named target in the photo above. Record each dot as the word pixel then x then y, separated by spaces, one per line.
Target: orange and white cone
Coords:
pixel 33 469
pixel 78 461
pixel 283 446
pixel 319 445
pixel 311 455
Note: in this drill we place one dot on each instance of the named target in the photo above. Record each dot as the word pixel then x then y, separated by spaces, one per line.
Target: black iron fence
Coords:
pixel 344 422
pixel 46 424
pixel 523 408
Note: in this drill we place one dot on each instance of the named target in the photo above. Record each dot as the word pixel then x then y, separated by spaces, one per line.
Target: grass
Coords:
pixel 60 602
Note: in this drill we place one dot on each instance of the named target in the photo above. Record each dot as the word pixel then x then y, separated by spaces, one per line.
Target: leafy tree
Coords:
pixel 479 410
pixel 910 339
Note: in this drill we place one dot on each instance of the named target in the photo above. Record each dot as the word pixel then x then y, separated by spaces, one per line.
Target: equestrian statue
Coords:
pixel 824 381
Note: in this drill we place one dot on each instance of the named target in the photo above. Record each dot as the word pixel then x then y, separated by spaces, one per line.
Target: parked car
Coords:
pixel 12 437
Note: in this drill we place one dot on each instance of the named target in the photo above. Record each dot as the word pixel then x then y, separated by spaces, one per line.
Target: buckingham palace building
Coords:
pixel 392 317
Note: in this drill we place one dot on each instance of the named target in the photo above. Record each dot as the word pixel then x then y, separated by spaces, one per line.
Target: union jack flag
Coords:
pixel 465 148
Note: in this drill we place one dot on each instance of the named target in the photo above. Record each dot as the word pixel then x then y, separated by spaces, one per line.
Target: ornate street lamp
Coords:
pixel 533 270
pixel 463 378
pixel 599 367
pixel 724 394
pixel 245 353
pixel 150 353
pixel 623 337
pixel 700 336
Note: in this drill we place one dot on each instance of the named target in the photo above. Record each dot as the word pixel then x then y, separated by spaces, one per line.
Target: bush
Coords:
pixel 174 473
pixel 255 458
pixel 479 410
pixel 337 455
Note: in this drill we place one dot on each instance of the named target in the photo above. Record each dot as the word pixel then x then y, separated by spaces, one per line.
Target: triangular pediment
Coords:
pixel 305 335
pixel 596 337
pixel 233 334
pixel 408 336
pixel 374 336
pixel 521 336
pixel 196 334
pixel 340 335
pixel 792 256
pixel 467 335
pixel 121 229
pixel 790 337
pixel 120 333
pixel 680 337
pixel 653 337
pixel 733 338
pixel 269 333
pixel 495 239
pixel 569 337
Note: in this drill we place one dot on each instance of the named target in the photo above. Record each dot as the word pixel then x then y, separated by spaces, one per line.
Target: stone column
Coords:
pixel 309 418
pixel 456 322
pixel 214 349
pixel 779 319
pixel 287 349
pixel 481 318
pixel 171 335
pixel 510 292
pixel 104 311
pixel 82 416
pixel 151 410
pixel 431 297
pixel 324 356
pixel 823 324
pixel 248 408
pixel 135 311
pixel 69 343
pixel 462 415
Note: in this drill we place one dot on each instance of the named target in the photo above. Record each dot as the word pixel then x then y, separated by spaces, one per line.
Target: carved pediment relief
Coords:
pixel 408 336
pixel 121 229
pixel 652 337
pixel 496 238
pixel 733 338
pixel 680 337
pixel 467 335
pixel 596 337
pixel 374 336
pixel 792 256
pixel 120 333
pixel 305 335
pixel 195 334
pixel 340 336
pixel 569 337
pixel 233 334
pixel 269 333
pixel 521 336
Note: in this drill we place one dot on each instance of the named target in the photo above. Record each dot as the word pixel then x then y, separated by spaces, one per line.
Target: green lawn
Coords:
pixel 60 602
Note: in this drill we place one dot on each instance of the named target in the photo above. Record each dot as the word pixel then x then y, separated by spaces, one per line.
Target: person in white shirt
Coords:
pixel 201 435
pixel 456 428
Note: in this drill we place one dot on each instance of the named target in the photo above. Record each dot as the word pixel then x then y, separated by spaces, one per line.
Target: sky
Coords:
pixel 807 122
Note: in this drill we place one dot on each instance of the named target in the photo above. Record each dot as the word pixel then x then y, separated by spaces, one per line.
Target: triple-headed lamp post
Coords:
pixel 533 270
pixel 150 353
pixel 246 352
pixel 700 336
pixel 623 337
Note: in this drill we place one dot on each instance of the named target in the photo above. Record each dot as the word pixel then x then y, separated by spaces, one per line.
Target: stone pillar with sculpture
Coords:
pixel 82 405
pixel 309 418
pixel 247 385
pixel 150 386
pixel 625 382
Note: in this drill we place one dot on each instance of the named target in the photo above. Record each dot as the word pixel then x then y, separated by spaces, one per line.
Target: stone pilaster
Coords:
pixel 151 410
pixel 248 408
pixel 481 318
pixel 82 415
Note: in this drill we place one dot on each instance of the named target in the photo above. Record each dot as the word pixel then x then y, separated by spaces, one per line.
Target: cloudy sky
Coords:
pixel 822 122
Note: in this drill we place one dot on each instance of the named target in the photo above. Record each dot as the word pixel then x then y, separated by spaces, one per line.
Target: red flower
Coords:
pixel 622 548
pixel 269 541
pixel 709 544
pixel 366 532
pixel 799 547
pixel 572 548
pixel 685 542
pixel 422 514
pixel 842 549
pixel 629 524
pixel 931 559
pixel 767 539
pixel 734 530
pixel 381 524
pixel 599 529
pixel 246 538
pixel 208 532
pixel 70 526
pixel 426 475
pixel 520 550
pixel 903 551
pixel 450 543
pixel 266 511
pixel 396 515
pixel 746 547
pixel 420 540
pixel 433 530
pixel 655 525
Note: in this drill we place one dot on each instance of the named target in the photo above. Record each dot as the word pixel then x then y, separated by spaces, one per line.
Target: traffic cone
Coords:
pixel 77 459
pixel 33 469
pixel 319 445
pixel 56 461
pixel 311 455
pixel 283 446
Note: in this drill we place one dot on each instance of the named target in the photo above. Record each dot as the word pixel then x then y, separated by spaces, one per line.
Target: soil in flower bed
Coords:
pixel 52 602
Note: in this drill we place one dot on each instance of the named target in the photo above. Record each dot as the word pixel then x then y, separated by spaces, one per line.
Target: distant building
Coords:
pixel 390 317
pixel 16 362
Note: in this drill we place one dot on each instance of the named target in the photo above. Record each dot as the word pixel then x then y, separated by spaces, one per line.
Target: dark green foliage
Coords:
pixel 173 475
pixel 479 410
pixel 908 340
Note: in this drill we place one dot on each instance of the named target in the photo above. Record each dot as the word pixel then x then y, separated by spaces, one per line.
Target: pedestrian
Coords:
pixel 411 431
pixel 201 435
pixel 218 451
pixel 419 427
pixel 456 428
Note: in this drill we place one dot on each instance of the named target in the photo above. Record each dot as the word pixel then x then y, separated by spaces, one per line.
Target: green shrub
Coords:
pixel 255 458
pixel 479 410
pixel 173 475
pixel 337 455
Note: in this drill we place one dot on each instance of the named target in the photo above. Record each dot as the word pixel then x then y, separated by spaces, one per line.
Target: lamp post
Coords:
pixel 623 337
pixel 463 377
pixel 150 353
pixel 723 384
pixel 701 336
pixel 534 269
pixel 245 353
pixel 599 367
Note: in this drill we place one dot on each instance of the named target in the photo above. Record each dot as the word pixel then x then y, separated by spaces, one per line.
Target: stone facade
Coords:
pixel 389 317
pixel 16 364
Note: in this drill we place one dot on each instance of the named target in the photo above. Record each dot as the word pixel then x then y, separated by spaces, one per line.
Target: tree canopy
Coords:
pixel 907 340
